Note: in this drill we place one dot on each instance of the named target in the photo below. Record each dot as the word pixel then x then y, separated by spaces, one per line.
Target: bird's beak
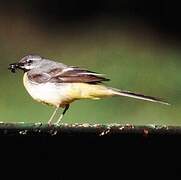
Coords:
pixel 14 66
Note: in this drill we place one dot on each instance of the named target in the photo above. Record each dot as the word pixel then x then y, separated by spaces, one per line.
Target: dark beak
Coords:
pixel 14 66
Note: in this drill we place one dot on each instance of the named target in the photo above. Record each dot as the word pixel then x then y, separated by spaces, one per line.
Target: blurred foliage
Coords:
pixel 135 58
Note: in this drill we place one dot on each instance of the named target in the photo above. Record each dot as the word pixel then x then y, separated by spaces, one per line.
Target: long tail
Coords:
pixel 138 96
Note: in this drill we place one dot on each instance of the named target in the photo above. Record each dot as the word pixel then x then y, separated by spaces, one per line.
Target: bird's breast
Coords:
pixel 49 93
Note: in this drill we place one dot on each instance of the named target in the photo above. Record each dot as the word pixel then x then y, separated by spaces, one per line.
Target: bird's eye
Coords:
pixel 29 61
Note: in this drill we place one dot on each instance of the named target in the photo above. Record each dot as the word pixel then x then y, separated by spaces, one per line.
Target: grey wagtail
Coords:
pixel 59 85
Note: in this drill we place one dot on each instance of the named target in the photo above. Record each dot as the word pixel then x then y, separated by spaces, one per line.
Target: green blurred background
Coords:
pixel 131 45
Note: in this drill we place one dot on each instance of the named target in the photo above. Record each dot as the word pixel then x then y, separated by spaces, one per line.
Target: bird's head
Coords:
pixel 26 63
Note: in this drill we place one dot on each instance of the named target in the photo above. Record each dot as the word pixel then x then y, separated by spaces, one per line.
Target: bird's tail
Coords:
pixel 137 96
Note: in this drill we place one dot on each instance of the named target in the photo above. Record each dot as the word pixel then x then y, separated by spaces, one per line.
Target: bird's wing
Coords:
pixel 68 75
pixel 38 77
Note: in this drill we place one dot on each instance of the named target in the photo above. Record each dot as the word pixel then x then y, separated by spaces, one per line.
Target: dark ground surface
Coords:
pixel 90 151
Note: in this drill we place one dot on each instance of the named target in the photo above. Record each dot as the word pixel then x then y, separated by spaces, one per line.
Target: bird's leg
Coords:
pixel 52 116
pixel 63 113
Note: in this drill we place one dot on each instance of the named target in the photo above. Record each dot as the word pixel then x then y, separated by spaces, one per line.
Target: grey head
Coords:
pixel 35 63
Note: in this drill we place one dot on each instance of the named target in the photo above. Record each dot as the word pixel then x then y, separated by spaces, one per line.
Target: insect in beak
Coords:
pixel 14 66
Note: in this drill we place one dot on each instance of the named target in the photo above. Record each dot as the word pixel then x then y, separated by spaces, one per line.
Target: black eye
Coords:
pixel 29 61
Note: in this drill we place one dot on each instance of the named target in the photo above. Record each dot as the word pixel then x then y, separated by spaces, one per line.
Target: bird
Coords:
pixel 57 84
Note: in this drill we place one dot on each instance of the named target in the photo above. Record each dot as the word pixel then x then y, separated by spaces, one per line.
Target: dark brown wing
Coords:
pixel 75 74
pixel 67 75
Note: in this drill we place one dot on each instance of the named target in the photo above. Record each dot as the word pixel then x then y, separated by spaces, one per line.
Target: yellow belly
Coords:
pixel 64 93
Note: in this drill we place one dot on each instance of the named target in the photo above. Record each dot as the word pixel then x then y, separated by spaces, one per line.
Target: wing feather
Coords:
pixel 68 75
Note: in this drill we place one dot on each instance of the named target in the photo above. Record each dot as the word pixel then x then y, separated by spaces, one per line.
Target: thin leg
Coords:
pixel 63 113
pixel 51 118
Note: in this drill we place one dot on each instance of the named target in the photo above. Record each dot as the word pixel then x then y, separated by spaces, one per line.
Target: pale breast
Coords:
pixel 48 93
